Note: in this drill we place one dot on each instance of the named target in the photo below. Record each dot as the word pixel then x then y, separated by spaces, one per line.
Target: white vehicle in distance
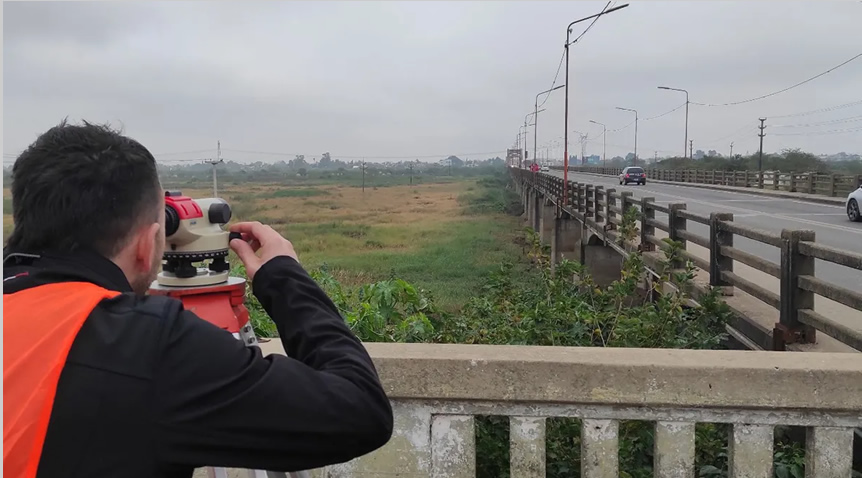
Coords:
pixel 545 168
pixel 633 174
pixel 854 204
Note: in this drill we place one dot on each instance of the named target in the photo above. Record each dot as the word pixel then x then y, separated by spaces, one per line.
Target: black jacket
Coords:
pixel 151 390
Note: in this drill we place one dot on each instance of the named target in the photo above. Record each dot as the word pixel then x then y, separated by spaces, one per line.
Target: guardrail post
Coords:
pixel 810 183
pixel 676 224
pixel 589 200
pixel 792 182
pixel 610 200
pixel 598 193
pixel 747 181
pixel 647 212
pixel 832 180
pixel 581 199
pixel 717 262
pixel 760 179
pixel 794 264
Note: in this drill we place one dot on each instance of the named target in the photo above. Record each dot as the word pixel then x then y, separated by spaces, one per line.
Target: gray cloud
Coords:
pixel 422 78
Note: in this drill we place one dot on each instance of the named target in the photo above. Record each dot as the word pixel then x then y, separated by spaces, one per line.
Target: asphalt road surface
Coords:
pixel 829 223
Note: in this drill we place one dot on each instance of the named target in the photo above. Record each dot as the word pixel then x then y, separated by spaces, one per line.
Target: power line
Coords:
pixel 591 24
pixel 199 151
pixel 662 114
pixel 820 133
pixel 821 110
pixel 785 89
pixel 851 119
pixel 554 83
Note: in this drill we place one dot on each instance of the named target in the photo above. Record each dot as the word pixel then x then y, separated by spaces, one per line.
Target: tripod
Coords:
pixel 223 305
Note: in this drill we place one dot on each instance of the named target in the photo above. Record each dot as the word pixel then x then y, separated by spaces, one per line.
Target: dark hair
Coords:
pixel 82 187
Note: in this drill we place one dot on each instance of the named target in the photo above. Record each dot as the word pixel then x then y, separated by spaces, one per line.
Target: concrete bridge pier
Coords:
pixel 547 220
pixel 604 263
pixel 565 240
pixel 536 209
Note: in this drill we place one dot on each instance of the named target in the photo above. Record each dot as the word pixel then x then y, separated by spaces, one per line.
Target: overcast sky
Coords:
pixel 417 79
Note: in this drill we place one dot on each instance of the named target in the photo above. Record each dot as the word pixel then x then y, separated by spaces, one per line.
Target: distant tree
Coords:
pixel 303 172
pixel 456 161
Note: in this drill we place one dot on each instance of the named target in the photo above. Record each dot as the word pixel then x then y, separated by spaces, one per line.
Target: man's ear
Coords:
pixel 146 246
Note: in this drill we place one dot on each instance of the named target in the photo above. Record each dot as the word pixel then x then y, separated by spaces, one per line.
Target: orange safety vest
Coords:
pixel 39 326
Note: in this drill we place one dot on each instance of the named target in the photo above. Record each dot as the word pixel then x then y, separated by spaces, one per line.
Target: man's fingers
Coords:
pixel 246 254
pixel 255 230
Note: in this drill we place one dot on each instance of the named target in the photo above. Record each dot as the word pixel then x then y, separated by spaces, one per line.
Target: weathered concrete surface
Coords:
pixel 433 388
pixel 566 240
pixel 603 263
pixel 527 447
pixel 674 450
pixel 600 449
pixel 618 376
pixel 453 446
pixel 824 454
pixel 750 451
pixel 547 216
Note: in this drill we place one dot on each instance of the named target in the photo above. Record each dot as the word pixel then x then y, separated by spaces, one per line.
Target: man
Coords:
pixel 101 380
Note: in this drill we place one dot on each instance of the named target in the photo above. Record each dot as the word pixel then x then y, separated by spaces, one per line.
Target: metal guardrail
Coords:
pixel 832 185
pixel 602 209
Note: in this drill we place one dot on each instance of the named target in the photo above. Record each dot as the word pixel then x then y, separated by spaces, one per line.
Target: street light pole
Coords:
pixel 685 143
pixel 536 119
pixel 604 142
pixel 566 121
pixel 636 133
pixel 525 131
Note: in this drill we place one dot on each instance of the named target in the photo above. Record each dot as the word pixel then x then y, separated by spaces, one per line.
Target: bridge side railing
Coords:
pixel 438 390
pixel 602 209
pixel 833 185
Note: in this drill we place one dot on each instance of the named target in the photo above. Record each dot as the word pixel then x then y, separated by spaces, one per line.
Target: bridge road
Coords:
pixel 829 223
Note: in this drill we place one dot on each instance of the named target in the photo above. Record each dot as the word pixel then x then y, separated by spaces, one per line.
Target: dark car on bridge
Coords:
pixel 633 174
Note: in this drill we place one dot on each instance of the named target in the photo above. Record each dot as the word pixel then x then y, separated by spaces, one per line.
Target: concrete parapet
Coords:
pixel 437 389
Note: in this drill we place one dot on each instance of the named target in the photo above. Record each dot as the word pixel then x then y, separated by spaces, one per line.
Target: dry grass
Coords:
pixel 414 232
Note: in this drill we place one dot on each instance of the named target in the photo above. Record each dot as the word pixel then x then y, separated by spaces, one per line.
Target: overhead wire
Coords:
pixel 821 133
pixel 821 110
pixel 851 119
pixel 782 90
pixel 563 56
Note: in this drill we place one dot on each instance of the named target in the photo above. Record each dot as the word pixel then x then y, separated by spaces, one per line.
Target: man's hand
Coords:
pixel 259 244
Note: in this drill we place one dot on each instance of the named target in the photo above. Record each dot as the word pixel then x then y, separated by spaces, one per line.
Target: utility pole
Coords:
pixel 654 161
pixel 536 128
pixel 635 163
pixel 731 150
pixel 566 121
pixel 686 116
pixel 604 142
pixel 690 149
pixel 214 162
pixel 363 175
pixel 760 155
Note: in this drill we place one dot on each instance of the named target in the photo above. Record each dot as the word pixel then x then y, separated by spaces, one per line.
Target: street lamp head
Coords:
pixel 663 88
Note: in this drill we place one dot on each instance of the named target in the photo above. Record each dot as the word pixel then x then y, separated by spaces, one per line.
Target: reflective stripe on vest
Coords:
pixel 39 326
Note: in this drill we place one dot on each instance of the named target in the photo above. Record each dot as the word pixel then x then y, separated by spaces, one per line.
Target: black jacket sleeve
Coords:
pixel 223 404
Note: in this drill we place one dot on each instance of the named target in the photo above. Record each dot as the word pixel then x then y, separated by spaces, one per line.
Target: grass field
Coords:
pixel 430 234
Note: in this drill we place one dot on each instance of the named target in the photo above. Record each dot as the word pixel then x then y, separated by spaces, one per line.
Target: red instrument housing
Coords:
pixel 185 206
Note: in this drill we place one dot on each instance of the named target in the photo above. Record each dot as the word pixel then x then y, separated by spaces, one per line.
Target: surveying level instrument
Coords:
pixel 193 235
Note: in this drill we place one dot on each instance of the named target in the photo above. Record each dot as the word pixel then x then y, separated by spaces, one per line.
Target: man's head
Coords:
pixel 89 187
